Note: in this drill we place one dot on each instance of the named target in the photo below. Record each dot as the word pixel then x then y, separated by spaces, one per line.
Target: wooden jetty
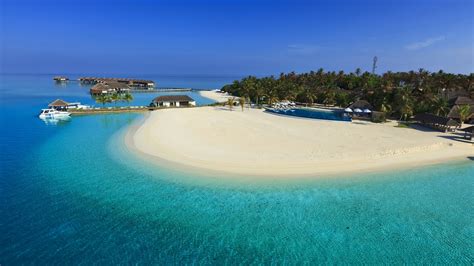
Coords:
pixel 161 89
pixel 111 110
pixel 115 110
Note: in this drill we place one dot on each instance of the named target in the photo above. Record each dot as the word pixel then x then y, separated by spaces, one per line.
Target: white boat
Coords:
pixel 51 113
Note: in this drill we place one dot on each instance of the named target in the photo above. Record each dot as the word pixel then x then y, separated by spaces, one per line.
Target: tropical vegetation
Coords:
pixel 398 94
pixel 242 103
pixel 230 103
pixel 113 98
pixel 464 112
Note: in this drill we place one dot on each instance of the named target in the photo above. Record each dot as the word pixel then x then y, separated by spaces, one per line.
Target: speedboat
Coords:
pixel 53 114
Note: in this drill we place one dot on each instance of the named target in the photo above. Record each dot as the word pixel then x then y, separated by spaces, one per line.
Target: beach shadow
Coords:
pixel 457 138
pixel 422 128
pixel 459 134
pixel 470 158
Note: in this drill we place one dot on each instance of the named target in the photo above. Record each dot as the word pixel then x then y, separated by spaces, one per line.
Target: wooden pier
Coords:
pixel 155 90
pixel 110 110
pixel 116 110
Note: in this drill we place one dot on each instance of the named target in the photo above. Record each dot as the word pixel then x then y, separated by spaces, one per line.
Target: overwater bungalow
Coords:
pixel 173 101
pixel 109 87
pixel 132 83
pixel 437 122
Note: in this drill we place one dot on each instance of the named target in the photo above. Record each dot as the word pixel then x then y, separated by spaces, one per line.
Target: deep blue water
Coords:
pixel 72 194
pixel 313 113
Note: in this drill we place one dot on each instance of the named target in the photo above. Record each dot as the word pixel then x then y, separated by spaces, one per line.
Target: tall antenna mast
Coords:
pixel 374 65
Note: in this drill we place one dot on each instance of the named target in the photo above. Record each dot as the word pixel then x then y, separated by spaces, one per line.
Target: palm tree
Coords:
pixel 464 112
pixel 309 95
pixel 127 97
pixel 342 99
pixel 404 103
pixel 358 71
pixel 242 102
pixel 440 106
pixel 329 97
pixel 271 97
pixel 248 86
pixel 114 98
pixel 103 99
pixel 258 91
pixel 230 102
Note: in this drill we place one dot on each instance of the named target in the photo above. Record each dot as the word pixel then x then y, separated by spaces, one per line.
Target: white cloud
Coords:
pixel 425 43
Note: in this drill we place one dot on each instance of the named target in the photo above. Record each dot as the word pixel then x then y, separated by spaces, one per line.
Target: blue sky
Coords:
pixel 234 37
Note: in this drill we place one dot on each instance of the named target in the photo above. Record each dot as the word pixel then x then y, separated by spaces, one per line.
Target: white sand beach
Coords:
pixel 257 143
pixel 216 96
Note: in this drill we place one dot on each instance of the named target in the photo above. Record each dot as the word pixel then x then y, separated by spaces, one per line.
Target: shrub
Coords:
pixel 378 117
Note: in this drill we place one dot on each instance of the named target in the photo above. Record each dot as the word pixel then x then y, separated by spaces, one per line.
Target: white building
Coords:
pixel 173 101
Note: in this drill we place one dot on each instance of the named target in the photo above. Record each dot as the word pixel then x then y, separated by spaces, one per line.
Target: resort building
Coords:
pixel 62 105
pixel 59 105
pixel 109 87
pixel 462 101
pixel 437 122
pixel 173 101
pixel 131 83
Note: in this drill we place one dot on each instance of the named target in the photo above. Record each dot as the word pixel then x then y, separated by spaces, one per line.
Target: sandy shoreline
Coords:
pixel 216 96
pixel 255 143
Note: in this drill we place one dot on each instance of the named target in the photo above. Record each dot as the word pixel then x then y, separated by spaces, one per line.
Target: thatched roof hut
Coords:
pixel 435 121
pixel 117 86
pixel 462 100
pixel 99 88
pixel 109 87
pixel 454 113
pixel 58 103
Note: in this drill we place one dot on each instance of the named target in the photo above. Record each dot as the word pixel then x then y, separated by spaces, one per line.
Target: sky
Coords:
pixel 234 37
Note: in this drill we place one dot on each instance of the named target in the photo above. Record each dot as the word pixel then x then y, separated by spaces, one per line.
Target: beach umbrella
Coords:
pixel 348 110
pixel 357 110
pixel 367 111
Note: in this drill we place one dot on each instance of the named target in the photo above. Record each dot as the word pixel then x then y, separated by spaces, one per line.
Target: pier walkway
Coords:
pixel 122 109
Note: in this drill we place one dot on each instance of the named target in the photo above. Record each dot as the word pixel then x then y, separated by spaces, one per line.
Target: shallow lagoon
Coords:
pixel 71 193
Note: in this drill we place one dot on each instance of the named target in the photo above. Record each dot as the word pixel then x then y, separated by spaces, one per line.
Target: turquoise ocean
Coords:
pixel 71 193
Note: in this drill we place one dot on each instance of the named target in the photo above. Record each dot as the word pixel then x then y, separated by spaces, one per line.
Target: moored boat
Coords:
pixel 51 113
